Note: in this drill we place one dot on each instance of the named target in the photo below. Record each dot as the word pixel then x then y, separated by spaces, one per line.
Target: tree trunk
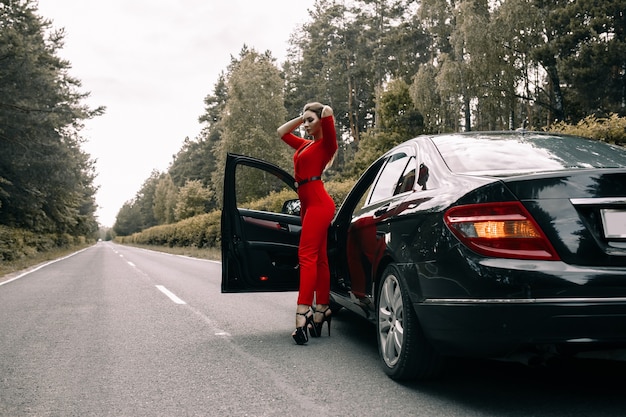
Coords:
pixel 556 101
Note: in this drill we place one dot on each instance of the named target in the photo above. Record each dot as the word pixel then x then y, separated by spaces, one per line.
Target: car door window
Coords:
pixel 407 180
pixel 257 189
pixel 391 175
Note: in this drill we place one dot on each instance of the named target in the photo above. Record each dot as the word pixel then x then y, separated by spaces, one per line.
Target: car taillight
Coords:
pixel 504 230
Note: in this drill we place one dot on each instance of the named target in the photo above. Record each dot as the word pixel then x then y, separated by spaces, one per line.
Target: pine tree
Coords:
pixel 46 179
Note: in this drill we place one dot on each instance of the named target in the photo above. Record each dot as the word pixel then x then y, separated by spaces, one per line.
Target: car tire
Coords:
pixel 404 351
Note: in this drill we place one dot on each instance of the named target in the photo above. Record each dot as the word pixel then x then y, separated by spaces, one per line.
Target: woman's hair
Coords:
pixel 315 107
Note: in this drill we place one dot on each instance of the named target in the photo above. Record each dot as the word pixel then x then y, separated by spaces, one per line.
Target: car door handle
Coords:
pixel 381 210
pixel 291 228
pixel 386 208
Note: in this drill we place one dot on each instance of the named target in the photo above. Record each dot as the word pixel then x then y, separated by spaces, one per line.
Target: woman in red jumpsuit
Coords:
pixel 317 210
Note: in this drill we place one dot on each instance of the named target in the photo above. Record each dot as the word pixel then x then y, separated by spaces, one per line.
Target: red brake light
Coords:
pixel 504 230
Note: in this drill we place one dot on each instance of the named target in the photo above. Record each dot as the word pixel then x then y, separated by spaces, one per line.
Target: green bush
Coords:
pixel 339 190
pixel 11 243
pixel 16 244
pixel 273 202
pixel 203 231
pixel 200 231
pixel 610 129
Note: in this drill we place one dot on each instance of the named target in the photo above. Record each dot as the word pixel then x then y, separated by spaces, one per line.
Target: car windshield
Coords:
pixel 508 154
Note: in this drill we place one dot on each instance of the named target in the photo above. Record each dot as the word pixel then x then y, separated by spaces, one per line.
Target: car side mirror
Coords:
pixel 291 207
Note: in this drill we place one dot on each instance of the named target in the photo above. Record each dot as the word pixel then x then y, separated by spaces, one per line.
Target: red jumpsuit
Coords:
pixel 317 211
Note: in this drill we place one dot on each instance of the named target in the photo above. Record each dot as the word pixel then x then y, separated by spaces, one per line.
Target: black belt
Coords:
pixel 300 183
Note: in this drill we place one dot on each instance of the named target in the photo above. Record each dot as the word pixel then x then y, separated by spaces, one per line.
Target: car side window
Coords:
pixel 256 189
pixel 407 180
pixel 392 174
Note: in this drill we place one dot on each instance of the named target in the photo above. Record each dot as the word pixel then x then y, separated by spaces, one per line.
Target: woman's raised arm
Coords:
pixel 289 126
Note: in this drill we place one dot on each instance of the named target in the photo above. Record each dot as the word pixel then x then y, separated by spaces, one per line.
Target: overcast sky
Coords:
pixel 152 63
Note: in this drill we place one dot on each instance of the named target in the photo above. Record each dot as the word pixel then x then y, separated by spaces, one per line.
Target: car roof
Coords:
pixel 505 153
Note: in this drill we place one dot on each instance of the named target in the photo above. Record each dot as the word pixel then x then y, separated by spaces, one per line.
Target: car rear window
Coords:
pixel 510 154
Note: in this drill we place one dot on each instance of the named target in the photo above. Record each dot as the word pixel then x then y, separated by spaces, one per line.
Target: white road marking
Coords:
pixel 132 264
pixel 170 294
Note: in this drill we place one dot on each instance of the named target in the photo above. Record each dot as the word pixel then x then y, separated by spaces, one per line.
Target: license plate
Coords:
pixel 614 223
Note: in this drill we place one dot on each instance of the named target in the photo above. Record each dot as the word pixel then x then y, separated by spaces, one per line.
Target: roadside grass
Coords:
pixel 213 254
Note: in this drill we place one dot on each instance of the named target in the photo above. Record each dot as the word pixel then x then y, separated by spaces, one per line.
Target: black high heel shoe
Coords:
pixel 327 316
pixel 300 334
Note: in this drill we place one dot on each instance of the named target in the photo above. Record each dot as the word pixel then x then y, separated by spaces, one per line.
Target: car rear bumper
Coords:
pixel 499 328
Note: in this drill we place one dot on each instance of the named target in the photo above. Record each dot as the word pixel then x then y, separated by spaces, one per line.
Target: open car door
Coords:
pixel 259 240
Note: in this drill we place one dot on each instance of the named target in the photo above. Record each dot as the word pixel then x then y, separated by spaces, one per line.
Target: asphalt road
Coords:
pixel 119 331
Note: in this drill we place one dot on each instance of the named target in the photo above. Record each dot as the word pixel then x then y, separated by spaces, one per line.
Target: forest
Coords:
pixel 47 194
pixel 394 69
pixel 391 70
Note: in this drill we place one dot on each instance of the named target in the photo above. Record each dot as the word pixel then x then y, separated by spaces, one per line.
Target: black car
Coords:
pixel 507 245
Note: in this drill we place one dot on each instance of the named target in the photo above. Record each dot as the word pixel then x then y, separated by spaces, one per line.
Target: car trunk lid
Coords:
pixel 582 212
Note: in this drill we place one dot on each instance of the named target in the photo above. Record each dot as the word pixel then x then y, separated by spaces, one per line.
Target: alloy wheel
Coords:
pixel 390 320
